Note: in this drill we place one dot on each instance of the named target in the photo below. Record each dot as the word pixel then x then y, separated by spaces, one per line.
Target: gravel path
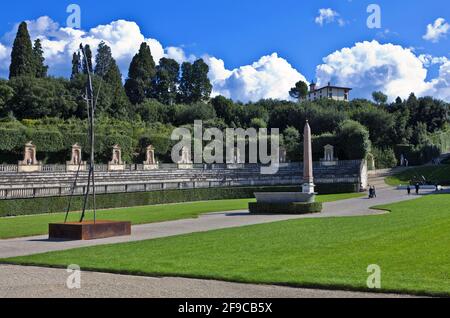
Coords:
pixel 36 282
pixel 207 222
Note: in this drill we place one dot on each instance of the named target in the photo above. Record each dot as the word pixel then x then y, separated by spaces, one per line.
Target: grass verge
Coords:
pixel 410 245
pixel 22 226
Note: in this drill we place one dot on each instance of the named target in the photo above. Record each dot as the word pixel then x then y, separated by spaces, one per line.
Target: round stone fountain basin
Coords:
pixel 284 197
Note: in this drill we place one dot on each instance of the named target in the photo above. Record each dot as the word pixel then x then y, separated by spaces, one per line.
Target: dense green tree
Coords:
pixel 76 65
pixel 41 97
pixel 432 112
pixel 120 105
pixel 300 91
pixel 40 68
pixel 257 123
pixel 291 141
pixel 420 135
pixel 379 123
pixel 194 84
pixel 166 81
pixel 103 59
pixel 403 131
pixel 413 105
pixel 229 111
pixel 6 93
pixel 187 114
pixel 353 139
pixel 142 70
pixel 379 98
pixel 384 158
pixel 22 57
pixel 87 59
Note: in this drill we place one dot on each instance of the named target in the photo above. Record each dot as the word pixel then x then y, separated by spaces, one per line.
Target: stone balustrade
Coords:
pixel 55 181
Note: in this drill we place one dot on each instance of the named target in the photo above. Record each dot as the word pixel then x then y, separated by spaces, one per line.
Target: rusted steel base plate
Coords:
pixel 89 230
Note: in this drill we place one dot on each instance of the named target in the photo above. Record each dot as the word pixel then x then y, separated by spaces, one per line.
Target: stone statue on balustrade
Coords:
pixel 238 160
pixel 329 158
pixel 76 162
pixel 186 159
pixel 150 161
pixel 283 155
pixel 29 162
pixel 116 163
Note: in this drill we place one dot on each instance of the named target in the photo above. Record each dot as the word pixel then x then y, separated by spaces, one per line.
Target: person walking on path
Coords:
pixel 409 190
pixel 417 188
pixel 371 192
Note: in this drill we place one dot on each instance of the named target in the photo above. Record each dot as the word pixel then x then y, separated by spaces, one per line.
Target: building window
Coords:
pixel 331 95
pixel 346 96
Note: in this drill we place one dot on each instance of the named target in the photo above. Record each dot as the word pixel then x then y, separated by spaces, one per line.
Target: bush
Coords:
pixel 353 140
pixel 46 141
pixel 319 142
pixel 384 158
pixel 418 155
pixel 12 139
pixel 122 200
pixel 288 208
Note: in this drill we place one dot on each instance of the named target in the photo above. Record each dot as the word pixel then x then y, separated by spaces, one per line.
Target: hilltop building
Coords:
pixel 328 92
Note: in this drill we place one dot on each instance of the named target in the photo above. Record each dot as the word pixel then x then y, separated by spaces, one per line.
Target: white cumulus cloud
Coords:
pixel 59 43
pixel 270 77
pixel 366 67
pixel 4 57
pixel 440 87
pixel 437 30
pixel 328 15
pixel 371 66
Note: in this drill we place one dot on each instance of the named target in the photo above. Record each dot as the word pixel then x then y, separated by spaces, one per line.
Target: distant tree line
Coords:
pixel 155 98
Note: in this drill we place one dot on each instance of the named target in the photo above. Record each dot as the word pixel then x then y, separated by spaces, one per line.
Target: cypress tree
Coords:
pixel 76 64
pixel 120 102
pixel 166 81
pixel 194 84
pixel 38 53
pixel 22 58
pixel 88 57
pixel 142 70
pixel 103 59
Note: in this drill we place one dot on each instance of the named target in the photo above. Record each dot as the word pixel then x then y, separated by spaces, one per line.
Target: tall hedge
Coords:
pixel 12 139
pixel 46 141
pixel 120 200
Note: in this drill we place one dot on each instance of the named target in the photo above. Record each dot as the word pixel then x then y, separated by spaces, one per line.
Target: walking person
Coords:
pixel 409 190
pixel 417 188
pixel 374 192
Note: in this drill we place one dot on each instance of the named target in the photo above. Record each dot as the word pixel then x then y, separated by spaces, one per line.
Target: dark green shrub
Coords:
pixel 288 208
pixel 353 140
pixel 121 200
pixel 384 158
pixel 48 141
pixel 12 139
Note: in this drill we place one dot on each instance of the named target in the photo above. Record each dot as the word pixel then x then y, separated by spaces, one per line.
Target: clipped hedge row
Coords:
pixel 289 208
pixel 51 144
pixel 121 200
pixel 417 155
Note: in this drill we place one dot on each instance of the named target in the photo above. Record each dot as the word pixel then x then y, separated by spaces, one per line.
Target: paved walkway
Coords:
pixel 207 222
pixel 35 282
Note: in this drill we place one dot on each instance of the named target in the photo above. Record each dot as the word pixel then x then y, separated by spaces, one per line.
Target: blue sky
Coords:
pixel 241 32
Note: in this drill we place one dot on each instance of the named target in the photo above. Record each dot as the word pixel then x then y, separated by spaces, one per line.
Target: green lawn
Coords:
pixel 435 174
pixel 38 224
pixel 410 244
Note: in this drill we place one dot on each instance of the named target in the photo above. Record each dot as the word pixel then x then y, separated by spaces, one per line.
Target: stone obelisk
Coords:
pixel 308 177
